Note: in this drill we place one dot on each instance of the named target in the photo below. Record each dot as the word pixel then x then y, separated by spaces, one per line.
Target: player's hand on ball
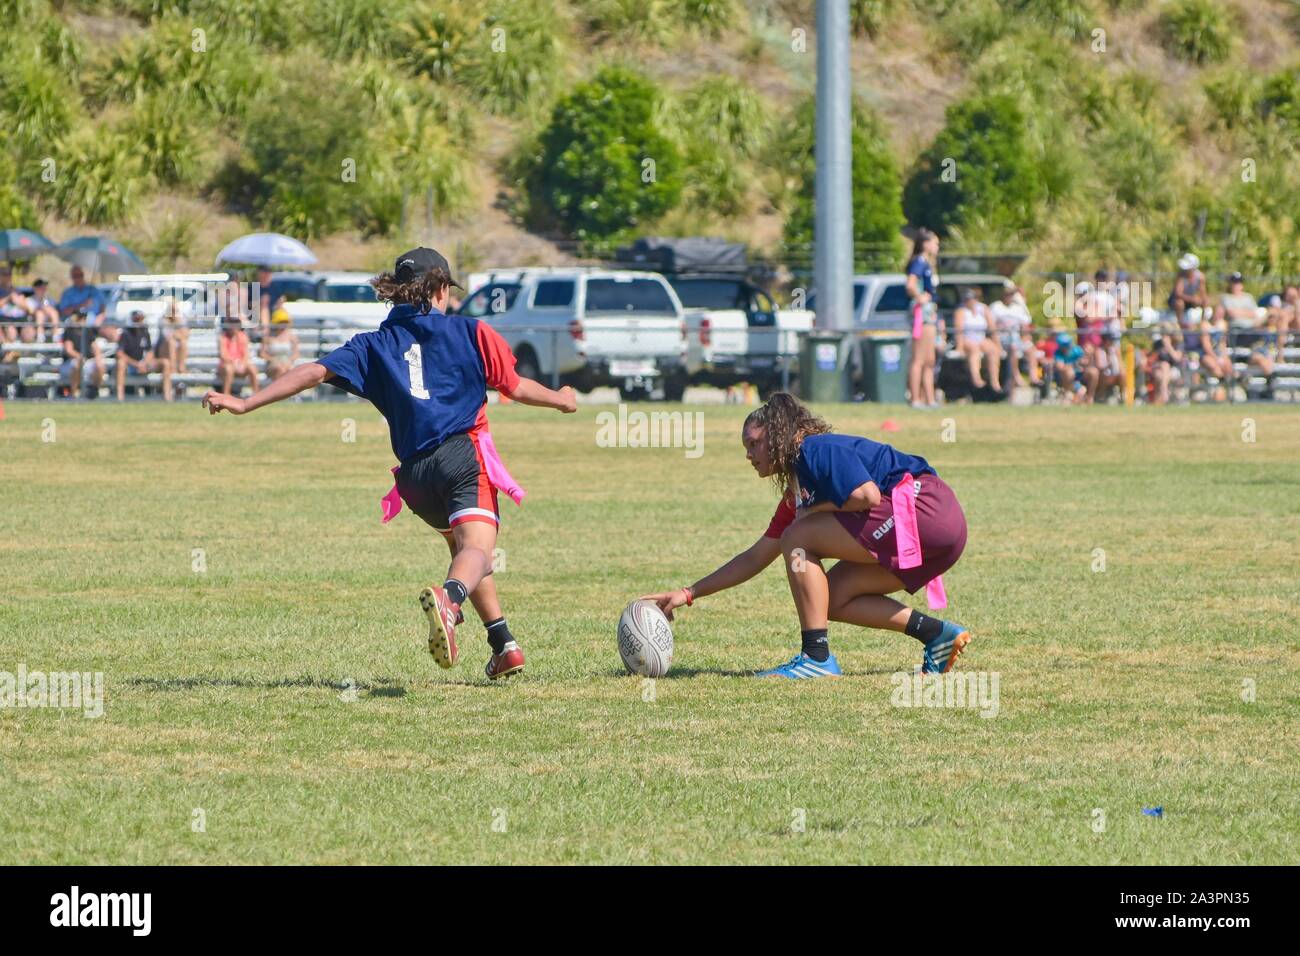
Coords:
pixel 570 400
pixel 216 401
pixel 667 601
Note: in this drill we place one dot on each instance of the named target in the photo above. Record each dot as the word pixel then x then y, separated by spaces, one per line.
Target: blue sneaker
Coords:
pixel 803 667
pixel 941 653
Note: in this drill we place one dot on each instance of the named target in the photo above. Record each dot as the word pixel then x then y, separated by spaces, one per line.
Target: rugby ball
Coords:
pixel 645 641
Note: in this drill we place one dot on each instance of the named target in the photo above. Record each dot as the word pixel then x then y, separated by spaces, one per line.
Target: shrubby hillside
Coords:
pixel 1077 131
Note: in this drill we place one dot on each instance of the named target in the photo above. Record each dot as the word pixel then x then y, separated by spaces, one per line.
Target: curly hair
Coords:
pixel 419 291
pixel 786 422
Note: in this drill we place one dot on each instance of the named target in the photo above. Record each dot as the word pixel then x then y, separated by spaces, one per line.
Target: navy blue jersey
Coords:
pixel 427 373
pixel 832 467
pixel 920 267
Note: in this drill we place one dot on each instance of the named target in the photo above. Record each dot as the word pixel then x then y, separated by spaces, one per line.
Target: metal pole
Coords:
pixel 833 230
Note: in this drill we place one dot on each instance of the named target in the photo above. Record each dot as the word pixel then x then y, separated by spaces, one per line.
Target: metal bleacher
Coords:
pixel 37 373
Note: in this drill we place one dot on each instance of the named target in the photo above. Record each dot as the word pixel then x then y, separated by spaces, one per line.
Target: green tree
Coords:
pixel 877 187
pixel 601 165
pixel 982 166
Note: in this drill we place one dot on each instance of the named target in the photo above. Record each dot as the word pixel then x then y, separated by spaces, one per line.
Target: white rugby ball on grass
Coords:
pixel 645 641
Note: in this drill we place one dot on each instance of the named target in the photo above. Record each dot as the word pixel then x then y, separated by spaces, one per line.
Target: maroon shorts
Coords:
pixel 939 522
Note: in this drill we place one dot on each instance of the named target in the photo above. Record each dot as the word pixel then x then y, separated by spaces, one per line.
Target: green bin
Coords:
pixel 885 357
pixel 821 374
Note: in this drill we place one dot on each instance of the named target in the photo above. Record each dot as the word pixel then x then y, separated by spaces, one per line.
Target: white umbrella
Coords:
pixel 267 249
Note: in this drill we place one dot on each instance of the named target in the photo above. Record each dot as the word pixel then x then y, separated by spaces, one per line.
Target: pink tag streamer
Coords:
pixel 916 321
pixel 496 469
pixel 391 503
pixel 908 536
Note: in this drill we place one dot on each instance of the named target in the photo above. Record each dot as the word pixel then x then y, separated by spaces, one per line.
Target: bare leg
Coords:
pixel 858 596
pixel 472 561
pixel 805 544
pixel 484 597
pixel 927 363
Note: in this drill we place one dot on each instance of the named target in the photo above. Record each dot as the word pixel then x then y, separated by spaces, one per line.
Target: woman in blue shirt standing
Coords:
pixel 884 516
pixel 921 284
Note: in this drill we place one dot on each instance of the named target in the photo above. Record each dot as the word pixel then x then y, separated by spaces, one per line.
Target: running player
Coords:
pixel 427 373
pixel 850 499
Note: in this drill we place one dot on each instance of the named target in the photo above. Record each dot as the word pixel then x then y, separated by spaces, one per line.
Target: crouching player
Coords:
pixel 845 498
pixel 427 374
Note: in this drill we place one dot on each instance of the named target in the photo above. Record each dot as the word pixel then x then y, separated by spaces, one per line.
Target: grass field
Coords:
pixel 284 690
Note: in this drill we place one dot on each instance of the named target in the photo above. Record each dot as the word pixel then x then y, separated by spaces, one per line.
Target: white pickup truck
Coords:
pixel 736 333
pixel 587 327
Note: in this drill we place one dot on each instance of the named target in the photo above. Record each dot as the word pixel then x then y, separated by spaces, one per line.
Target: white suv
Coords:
pixel 588 327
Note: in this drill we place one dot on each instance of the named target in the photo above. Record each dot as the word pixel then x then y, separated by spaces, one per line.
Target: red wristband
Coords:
pixel 690 596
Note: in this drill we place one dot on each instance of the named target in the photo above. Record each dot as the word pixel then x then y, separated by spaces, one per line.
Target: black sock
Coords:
pixel 815 645
pixel 456 591
pixel 923 628
pixel 498 634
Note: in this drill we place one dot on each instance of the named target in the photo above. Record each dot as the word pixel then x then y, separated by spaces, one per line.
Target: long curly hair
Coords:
pixel 418 292
pixel 786 422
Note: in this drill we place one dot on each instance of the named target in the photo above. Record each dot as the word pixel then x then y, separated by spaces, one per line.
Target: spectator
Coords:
pixel 16 312
pixel 1066 362
pixel 264 306
pixel 1211 354
pixel 1291 315
pixel 972 322
pixel 1267 349
pixel 1237 305
pixel 135 354
pixel 1163 368
pixel 174 338
pixel 280 346
pixel 81 296
pixel 1103 370
pixel 1190 290
pixel 1015 328
pixel 83 357
pixel 45 311
pixel 1122 297
pixel 1105 302
pixel 233 357
pixel 1089 316
pixel 921 285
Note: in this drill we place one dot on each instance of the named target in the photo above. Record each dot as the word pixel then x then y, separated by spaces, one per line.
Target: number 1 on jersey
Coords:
pixel 415 365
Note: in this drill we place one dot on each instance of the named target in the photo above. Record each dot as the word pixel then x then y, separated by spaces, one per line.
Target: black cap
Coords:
pixel 413 264
pixel 39 282
pixel 1235 277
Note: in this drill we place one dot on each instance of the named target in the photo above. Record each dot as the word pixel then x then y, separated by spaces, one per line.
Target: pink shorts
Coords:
pixel 940 523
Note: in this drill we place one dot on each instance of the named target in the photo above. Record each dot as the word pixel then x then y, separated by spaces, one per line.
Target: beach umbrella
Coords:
pixel 22 244
pixel 267 249
pixel 99 254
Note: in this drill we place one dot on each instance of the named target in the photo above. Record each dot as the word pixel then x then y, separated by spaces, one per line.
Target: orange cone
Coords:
pixel 889 425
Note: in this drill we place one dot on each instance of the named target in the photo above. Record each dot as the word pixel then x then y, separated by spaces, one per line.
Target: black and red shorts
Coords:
pixel 448 485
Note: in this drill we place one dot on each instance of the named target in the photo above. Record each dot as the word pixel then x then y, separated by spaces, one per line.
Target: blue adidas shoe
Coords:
pixel 941 653
pixel 803 667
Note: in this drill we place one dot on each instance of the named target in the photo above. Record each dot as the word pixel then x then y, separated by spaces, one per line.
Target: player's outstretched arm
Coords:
pixel 291 383
pixel 528 392
pixel 736 571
